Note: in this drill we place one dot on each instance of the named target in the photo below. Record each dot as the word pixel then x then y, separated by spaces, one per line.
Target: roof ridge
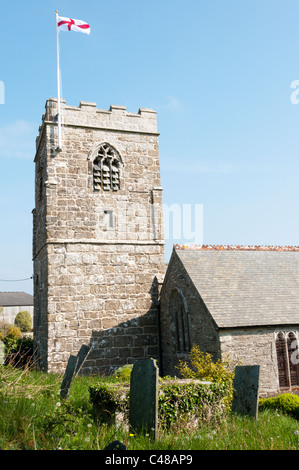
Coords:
pixel 236 247
pixel 13 292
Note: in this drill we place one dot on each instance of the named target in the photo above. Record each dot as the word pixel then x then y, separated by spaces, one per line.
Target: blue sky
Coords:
pixel 218 73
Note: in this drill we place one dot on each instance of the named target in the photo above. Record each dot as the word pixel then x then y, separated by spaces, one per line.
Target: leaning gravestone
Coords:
pixel 72 369
pixel 246 390
pixel 143 414
pixel 82 356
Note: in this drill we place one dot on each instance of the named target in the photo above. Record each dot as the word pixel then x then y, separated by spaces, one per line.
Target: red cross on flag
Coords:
pixel 65 24
pixel 68 24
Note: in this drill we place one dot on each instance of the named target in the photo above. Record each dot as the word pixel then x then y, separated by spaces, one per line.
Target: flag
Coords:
pixel 68 24
pixel 65 24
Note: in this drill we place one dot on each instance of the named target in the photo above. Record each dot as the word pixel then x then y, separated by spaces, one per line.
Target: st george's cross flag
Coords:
pixel 69 24
pixel 65 24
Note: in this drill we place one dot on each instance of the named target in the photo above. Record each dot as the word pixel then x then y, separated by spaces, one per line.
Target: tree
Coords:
pixel 23 321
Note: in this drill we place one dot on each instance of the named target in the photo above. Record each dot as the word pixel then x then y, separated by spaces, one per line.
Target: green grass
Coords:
pixel 34 417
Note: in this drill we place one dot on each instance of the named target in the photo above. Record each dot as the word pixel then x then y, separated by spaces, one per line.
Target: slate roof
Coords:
pixel 246 287
pixel 12 299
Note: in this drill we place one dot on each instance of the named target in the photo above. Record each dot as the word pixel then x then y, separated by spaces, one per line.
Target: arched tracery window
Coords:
pixel 106 169
pixel 293 365
pixel 287 359
pixel 282 360
pixel 180 321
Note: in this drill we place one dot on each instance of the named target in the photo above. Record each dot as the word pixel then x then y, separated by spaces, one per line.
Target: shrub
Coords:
pixel 23 321
pixel 202 367
pixel 14 333
pixel 11 340
pixel 123 373
pixel 285 403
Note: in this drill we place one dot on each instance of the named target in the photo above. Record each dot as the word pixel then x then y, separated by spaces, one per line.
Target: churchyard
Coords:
pixel 49 412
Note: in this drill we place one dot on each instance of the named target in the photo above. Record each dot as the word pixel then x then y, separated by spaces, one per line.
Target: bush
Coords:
pixel 202 367
pixel 286 403
pixel 23 321
pixel 11 339
pixel 14 333
pixel 123 373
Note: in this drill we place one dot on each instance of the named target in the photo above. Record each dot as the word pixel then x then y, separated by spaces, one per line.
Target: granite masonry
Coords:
pixel 98 244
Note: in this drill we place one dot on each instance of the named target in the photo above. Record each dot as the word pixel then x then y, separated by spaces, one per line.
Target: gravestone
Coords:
pixel 72 369
pixel 143 414
pixel 82 356
pixel 246 390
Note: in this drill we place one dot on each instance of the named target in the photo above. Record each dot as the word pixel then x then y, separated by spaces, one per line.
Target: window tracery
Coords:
pixel 106 169
pixel 286 344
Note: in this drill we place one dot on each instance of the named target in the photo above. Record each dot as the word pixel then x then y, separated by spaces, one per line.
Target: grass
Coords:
pixel 34 417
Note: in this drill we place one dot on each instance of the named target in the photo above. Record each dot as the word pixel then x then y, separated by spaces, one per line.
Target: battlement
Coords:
pixel 88 115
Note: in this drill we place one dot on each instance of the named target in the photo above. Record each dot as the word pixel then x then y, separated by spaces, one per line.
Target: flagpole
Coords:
pixel 58 85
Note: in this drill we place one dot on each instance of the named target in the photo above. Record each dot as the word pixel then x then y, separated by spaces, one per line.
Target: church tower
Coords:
pixel 98 246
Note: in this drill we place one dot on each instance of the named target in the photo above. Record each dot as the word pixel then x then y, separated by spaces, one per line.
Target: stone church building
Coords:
pixel 235 302
pixel 99 267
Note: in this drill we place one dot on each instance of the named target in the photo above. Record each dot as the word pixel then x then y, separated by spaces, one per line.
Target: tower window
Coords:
pixel 106 169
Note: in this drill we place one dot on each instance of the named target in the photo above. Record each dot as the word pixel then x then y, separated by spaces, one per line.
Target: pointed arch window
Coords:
pixel 293 365
pixel 282 361
pixel 287 363
pixel 106 169
pixel 180 322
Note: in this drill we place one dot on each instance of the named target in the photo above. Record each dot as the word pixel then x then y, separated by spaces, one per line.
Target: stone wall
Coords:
pixel 253 346
pixel 97 254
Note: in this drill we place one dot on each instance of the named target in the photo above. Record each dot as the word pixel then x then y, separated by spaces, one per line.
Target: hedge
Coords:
pixel 287 403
